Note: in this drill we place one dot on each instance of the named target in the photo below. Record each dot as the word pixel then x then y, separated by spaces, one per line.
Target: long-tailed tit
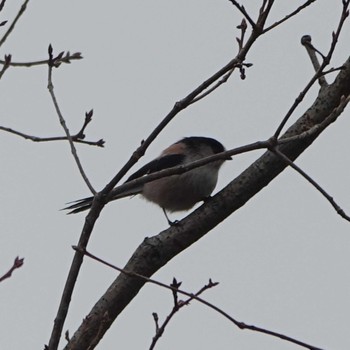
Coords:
pixel 174 192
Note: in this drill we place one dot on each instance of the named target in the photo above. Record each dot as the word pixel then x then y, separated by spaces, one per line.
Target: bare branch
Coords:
pixel 300 8
pixel 330 199
pixel 318 128
pixel 67 58
pixel 223 80
pixel 160 329
pixel 2 4
pixel 196 297
pixel 244 12
pixel 16 265
pixel 63 122
pixel 13 24
pixel 319 72
pixel 243 28
pixel 209 91
pixel 311 50
pixel 75 138
pixel 6 65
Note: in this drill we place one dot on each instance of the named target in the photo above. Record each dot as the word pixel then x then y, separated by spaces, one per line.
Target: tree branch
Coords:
pixel 174 287
pixel 330 199
pixel 63 57
pixel 326 60
pixel 50 87
pixel 7 63
pixel 75 138
pixel 16 265
pixel 287 17
pixel 13 24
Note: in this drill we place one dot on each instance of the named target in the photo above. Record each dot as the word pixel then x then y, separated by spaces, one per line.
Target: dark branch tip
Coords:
pixel 305 40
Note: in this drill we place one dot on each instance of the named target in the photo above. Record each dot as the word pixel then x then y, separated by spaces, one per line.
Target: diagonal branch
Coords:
pixel 13 24
pixel 330 199
pixel 287 17
pixel 174 287
pixel 311 51
pixel 63 122
pixel 243 11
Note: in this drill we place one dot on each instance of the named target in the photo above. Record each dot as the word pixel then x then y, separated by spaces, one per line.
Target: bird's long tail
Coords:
pixel 85 203
pixel 79 205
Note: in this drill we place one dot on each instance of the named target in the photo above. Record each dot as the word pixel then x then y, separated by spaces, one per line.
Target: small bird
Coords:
pixel 174 192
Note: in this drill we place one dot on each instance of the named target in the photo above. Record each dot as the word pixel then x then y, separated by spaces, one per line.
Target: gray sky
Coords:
pixel 282 260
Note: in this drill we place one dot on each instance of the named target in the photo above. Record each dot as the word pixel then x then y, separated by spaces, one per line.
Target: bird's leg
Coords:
pixel 171 223
pixel 206 199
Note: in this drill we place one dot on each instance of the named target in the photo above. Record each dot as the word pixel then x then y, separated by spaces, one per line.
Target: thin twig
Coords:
pixel 330 199
pixel 177 306
pixel 99 143
pixel 244 12
pixel 263 14
pixel 13 24
pixel 243 29
pixel 67 58
pixel 223 80
pixel 239 324
pixel 6 65
pixel 214 87
pixel 311 51
pixel 332 70
pixel 63 122
pixel 300 8
pixel 335 35
pixel 16 265
pixel 318 128
pixel 309 133
pixel 2 4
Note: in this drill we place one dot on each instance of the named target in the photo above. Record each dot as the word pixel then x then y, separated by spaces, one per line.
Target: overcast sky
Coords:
pixel 282 260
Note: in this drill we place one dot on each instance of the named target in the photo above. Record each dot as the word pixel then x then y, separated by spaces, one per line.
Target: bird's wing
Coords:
pixel 158 164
